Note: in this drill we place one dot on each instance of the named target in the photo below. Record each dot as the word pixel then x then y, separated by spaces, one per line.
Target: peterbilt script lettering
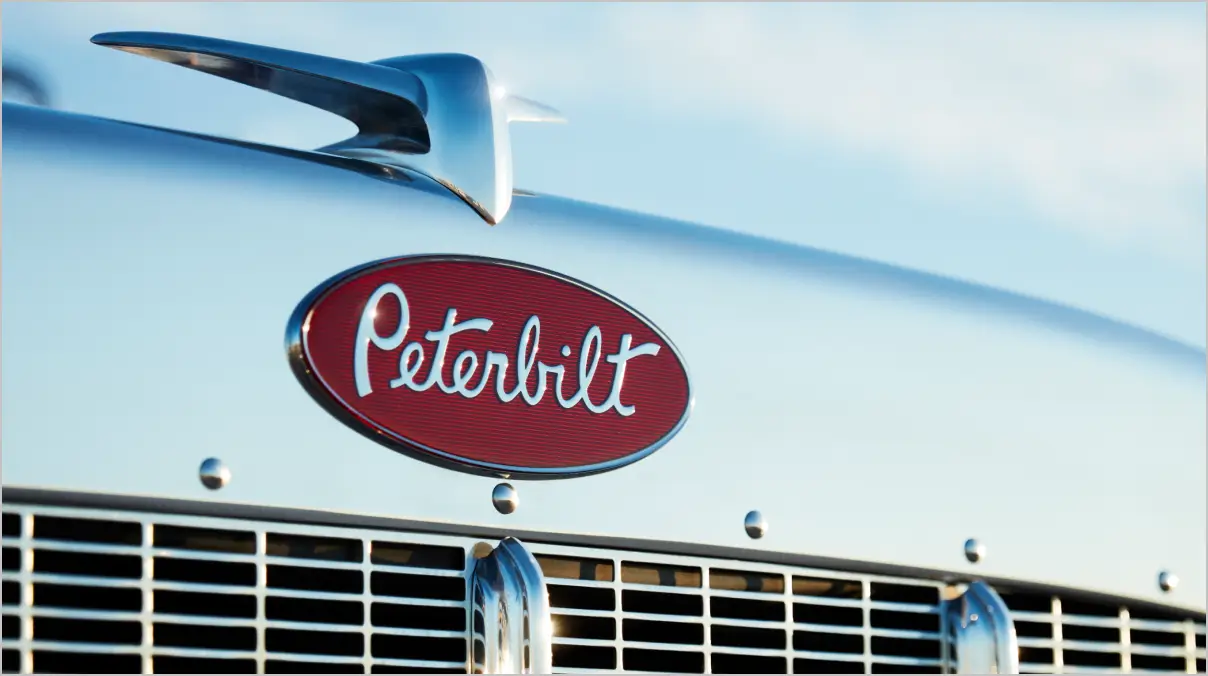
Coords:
pixel 411 359
pixel 550 377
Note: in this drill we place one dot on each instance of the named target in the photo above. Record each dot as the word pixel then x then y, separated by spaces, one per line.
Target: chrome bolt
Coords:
pixel 214 474
pixel 755 524
pixel 505 498
pixel 974 550
pixel 1167 581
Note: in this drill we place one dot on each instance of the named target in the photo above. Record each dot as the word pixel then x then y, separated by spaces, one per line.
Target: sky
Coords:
pixel 1056 150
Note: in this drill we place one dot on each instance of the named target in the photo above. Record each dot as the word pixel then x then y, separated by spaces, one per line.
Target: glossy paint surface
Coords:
pixel 867 411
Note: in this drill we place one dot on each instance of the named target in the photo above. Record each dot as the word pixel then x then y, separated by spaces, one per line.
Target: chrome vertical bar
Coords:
pixel 985 634
pixel 508 592
pixel 146 584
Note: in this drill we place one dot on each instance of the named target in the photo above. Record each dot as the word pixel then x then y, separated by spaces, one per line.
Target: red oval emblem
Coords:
pixel 489 366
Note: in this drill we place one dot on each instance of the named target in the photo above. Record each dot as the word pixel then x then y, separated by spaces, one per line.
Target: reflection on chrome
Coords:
pixel 512 631
pixel 983 632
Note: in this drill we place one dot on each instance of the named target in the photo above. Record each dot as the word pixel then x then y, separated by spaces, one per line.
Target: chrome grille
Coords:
pixel 693 615
pixel 87 590
pixel 1067 635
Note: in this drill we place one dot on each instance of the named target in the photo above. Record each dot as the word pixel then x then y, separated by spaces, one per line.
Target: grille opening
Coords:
pixel 204 539
pixel 314 610
pixel 12 558
pixel 1199 639
pixel 87 530
pixel 746 609
pixel 205 572
pixel 204 636
pixel 1162 662
pixel 733 580
pixel 1199 665
pixel 12 525
pixel 307 642
pixel 88 598
pixel 418 586
pixel 582 598
pixel 1074 632
pixel 12 627
pixel 202 603
pixel 1025 629
pixel 828 643
pixel 1077 607
pixel 747 637
pixel 417 556
pixel 417 617
pixel 892 619
pixel 94 565
pixel 639 659
pixel 55 662
pixel 1029 655
pixel 661 575
pixel 1086 658
pixel 307 547
pixel 651 631
pixel 480 650
pixel 170 664
pixel 904 669
pixel 841 616
pixel 1027 602
pixel 905 647
pixel 10 594
pixel 419 648
pixel 584 657
pixel 315 579
pixel 293 667
pixel 12 661
pixel 1150 613
pixel 723 663
pixel 633 601
pixel 812 666
pixel 577 626
pixel 840 589
pixel 88 631
pixel 903 593
pixel 389 669
pixel 567 568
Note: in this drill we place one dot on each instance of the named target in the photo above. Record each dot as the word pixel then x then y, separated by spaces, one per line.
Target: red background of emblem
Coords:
pixel 484 429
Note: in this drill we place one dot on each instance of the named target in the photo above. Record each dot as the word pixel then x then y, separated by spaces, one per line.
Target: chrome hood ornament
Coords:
pixel 443 115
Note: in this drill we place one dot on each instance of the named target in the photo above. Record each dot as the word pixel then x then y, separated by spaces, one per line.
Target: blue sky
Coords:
pixel 1056 150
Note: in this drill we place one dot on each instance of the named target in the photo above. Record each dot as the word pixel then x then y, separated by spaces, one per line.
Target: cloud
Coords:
pixel 1096 122
pixel 1092 117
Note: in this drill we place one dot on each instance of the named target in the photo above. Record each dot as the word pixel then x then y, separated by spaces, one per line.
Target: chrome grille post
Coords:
pixel 983 632
pixel 512 630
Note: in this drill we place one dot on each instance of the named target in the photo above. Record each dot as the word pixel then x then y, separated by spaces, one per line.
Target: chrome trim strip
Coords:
pixel 512 632
pixel 297 352
pixel 983 632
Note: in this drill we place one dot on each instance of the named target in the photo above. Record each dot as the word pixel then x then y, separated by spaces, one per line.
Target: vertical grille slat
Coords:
pixel 88 590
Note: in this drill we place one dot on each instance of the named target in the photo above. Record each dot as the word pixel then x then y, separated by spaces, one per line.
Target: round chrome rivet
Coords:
pixel 974 550
pixel 214 474
pixel 756 525
pixel 505 498
pixel 481 550
pixel 1167 581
